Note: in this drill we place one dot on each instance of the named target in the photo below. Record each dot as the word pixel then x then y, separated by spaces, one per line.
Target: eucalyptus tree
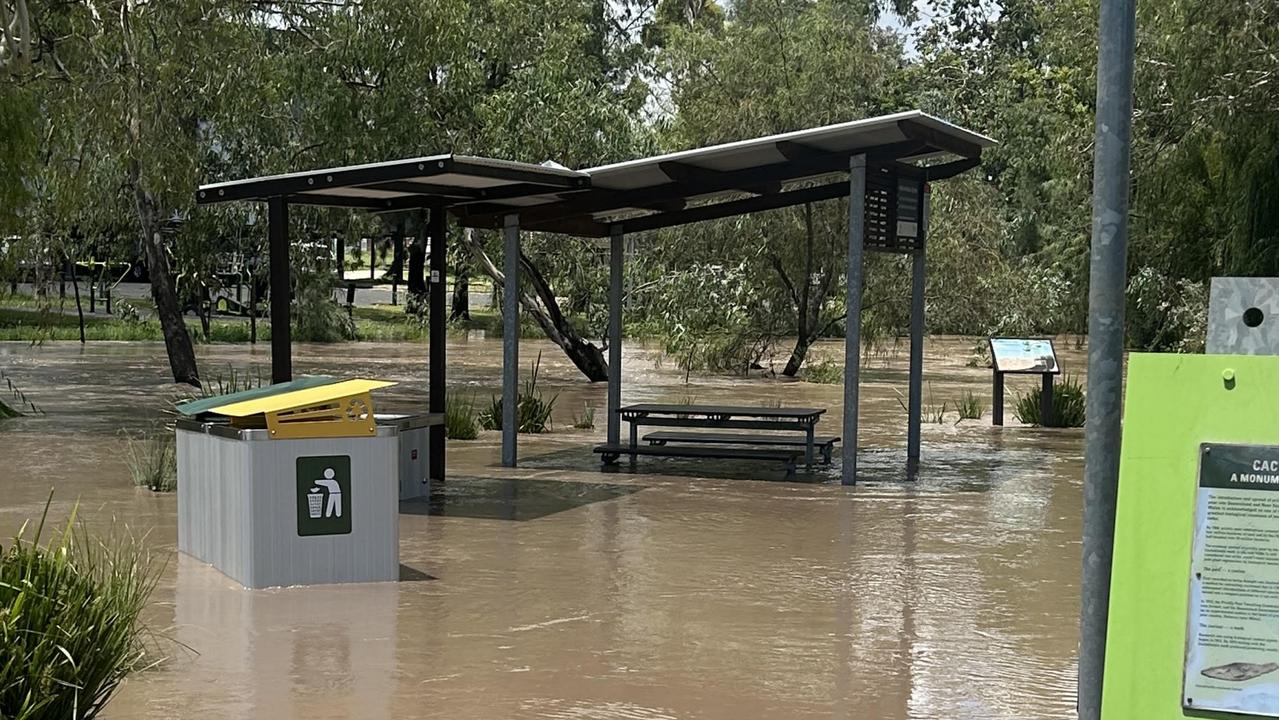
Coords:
pixel 758 68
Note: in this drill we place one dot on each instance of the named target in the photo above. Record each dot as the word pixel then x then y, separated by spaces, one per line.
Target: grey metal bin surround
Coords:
pixel 239 498
pixel 415 450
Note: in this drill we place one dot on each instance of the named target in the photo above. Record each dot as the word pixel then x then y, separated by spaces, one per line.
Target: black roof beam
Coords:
pixel 918 131
pixel 600 200
pixel 686 174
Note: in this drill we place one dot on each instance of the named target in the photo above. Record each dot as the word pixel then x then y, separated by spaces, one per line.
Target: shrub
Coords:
pixel 970 406
pixel 153 460
pixel 69 623
pixel 826 372
pixel 1068 405
pixel 459 419
pixel 533 411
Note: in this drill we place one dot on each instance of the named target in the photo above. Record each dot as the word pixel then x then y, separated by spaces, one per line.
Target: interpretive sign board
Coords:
pixel 1156 651
pixel 1232 635
pixel 1024 355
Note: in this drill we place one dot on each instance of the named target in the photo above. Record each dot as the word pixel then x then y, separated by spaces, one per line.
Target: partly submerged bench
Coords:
pixel 824 443
pixel 610 453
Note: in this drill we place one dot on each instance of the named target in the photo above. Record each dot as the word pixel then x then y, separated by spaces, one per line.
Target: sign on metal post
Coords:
pixel 1023 356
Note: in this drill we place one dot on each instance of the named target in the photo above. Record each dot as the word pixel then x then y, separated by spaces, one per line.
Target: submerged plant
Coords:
pixel 585 421
pixel 970 406
pixel 459 419
pixel 533 411
pixel 826 372
pixel 69 622
pixel 152 460
pixel 1068 405
pixel 929 412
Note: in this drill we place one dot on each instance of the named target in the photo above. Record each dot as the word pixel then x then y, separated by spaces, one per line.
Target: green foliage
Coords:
pixel 1068 405
pixel 970 406
pixel 152 459
pixel 70 622
pixel 459 419
pixel 826 372
pixel 585 421
pixel 533 410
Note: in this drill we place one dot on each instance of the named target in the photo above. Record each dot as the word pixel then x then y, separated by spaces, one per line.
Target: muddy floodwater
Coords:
pixel 689 589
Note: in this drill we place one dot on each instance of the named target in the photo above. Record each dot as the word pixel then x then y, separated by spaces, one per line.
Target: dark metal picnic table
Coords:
pixel 740 417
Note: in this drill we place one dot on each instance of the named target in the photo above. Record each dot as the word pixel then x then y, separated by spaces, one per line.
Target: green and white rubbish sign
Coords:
pixel 324 495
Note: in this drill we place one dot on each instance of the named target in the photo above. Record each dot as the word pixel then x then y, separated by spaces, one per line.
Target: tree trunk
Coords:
pixel 417 303
pixel 461 309
pixel 176 339
pixel 75 286
pixel 544 308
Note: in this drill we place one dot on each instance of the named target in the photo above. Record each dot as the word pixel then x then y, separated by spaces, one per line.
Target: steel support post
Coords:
pixel 1107 280
pixel 916 378
pixel 281 292
pixel 615 262
pixel 510 338
pixel 438 233
pixel 853 320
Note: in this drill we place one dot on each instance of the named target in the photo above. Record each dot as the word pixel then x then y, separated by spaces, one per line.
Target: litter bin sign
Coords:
pixel 297 487
pixel 324 495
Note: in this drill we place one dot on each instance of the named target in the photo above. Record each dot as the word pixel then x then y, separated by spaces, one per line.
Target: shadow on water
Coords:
pixel 511 499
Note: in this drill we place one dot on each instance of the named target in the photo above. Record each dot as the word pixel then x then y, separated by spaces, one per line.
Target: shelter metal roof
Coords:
pixel 675 188
pixel 400 184
pixel 662 191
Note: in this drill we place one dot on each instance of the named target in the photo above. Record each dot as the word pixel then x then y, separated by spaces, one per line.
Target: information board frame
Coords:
pixel 1033 370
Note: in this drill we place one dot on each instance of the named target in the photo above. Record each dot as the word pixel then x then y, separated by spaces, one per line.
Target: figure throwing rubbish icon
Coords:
pixel 334 506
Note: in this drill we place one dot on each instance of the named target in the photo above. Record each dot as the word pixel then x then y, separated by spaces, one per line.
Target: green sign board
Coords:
pixel 324 495
pixel 1180 645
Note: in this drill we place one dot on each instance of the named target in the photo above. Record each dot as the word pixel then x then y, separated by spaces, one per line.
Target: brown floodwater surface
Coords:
pixel 685 590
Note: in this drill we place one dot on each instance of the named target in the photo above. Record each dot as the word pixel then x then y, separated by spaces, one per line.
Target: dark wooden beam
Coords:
pixel 916 130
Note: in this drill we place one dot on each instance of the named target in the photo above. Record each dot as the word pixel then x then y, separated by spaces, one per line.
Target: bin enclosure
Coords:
pixel 291 486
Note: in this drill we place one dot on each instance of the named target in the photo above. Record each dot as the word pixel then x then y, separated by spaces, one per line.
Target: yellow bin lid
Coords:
pixel 340 409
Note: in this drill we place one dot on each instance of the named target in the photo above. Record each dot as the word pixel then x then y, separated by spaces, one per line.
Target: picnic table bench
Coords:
pixel 721 445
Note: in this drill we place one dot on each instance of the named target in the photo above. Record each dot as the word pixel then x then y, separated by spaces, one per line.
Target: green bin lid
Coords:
pixel 203 405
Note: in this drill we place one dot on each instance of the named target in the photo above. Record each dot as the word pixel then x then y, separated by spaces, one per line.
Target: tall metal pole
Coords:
pixel 615 261
pixel 510 338
pixel 438 234
pixel 916 378
pixel 281 330
pixel 1107 279
pixel 853 320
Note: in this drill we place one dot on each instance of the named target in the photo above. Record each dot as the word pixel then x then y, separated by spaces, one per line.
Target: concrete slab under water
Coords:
pixel 682 590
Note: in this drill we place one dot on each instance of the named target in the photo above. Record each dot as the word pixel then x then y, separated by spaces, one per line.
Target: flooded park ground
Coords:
pixel 685 590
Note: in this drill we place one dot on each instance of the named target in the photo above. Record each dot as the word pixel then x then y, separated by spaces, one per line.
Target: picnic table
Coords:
pixel 719 445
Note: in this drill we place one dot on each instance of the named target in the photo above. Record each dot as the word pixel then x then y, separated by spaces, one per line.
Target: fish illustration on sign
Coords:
pixel 1239 671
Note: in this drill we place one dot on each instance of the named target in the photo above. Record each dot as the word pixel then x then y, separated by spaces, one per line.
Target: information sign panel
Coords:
pixel 1232 633
pixel 1024 355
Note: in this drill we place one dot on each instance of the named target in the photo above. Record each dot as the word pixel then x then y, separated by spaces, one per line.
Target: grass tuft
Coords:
pixel 459 419
pixel 970 406
pixel 152 459
pixel 1068 405
pixel 69 621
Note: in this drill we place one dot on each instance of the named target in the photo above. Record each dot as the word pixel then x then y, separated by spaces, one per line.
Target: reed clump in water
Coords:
pixel 1068 406
pixel 69 622
pixel 459 419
